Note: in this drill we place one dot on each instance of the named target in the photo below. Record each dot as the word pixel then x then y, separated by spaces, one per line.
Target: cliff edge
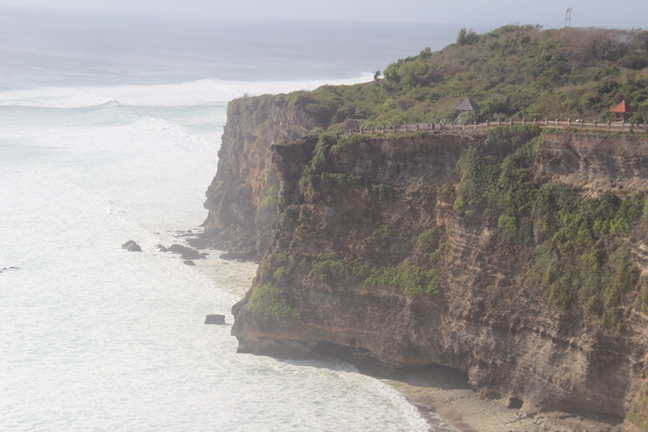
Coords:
pixel 242 198
pixel 517 256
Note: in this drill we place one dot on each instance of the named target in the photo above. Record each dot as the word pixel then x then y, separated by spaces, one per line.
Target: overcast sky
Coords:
pixel 550 13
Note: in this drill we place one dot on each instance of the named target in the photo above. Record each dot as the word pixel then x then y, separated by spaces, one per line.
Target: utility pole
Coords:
pixel 568 17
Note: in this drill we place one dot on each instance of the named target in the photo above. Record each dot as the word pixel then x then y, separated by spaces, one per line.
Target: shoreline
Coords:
pixel 444 393
pixel 445 399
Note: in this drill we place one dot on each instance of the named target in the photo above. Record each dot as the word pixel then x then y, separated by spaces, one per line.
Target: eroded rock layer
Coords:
pixel 374 259
pixel 242 198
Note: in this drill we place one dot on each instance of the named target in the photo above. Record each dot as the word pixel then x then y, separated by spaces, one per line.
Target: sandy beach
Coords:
pixel 445 392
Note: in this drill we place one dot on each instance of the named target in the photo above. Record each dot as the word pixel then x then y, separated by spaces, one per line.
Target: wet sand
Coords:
pixel 444 392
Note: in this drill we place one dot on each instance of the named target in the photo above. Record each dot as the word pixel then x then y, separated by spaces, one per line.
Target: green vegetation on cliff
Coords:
pixel 269 300
pixel 410 278
pixel 579 244
pixel 517 71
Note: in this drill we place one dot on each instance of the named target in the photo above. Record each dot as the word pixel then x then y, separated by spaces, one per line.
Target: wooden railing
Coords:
pixel 553 123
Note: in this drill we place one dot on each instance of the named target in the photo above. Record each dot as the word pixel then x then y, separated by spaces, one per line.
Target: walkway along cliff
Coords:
pixel 517 255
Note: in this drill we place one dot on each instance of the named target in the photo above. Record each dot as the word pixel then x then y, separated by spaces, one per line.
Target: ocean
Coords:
pixel 109 132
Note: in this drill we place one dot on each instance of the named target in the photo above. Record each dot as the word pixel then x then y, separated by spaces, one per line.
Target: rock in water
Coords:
pixel 185 252
pixel 215 319
pixel 131 246
pixel 9 268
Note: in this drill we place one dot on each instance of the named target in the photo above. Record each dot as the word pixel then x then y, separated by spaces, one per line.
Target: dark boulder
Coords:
pixel 9 268
pixel 189 263
pixel 186 252
pixel 131 246
pixel 215 319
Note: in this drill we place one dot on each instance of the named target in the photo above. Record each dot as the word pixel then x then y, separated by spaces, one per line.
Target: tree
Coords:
pixel 461 37
pixel 377 75
pixel 467 37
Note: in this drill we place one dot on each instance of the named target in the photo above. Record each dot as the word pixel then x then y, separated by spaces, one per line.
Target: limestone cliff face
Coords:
pixel 373 260
pixel 242 198
pixel 595 164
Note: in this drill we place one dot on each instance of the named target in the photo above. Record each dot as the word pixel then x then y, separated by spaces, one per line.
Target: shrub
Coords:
pixel 447 194
pixel 409 278
pixel 508 225
pixel 330 265
pixel 612 318
pixel 322 149
pixel 467 117
pixel 380 191
pixel 279 273
pixel 291 212
pixel 477 177
pixel 341 182
pixel 347 139
pixel 625 279
pixel 383 231
pixel 269 301
pixel 266 201
pixel 428 239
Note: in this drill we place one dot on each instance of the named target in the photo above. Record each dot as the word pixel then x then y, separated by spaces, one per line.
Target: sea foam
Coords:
pixel 200 92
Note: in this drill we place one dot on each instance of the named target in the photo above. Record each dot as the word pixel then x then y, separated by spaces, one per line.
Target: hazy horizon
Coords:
pixel 549 14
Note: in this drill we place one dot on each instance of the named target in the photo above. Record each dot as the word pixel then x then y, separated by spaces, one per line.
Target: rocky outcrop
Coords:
pixel 131 246
pixel 185 252
pixel 373 260
pixel 215 319
pixel 595 164
pixel 242 199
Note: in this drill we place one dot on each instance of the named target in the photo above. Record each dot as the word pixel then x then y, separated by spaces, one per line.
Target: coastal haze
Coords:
pixel 109 132
pixel 110 124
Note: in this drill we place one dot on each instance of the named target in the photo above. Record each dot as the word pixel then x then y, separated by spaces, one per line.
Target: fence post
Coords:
pixel 405 127
pixel 582 123
pixel 511 122
pixel 594 124
pixel 534 120
pixel 417 126
pixel 372 130
pixel 556 122
pixel 523 122
pixel 429 126
pixel 546 121
pixel 394 129
pixel 499 122
pixel 609 124
pixel 382 129
pixel 463 126
pixel 486 123
pixel 622 124
pixel 568 122
pixel 475 125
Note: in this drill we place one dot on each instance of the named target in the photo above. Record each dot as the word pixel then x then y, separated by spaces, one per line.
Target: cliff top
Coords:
pixel 513 71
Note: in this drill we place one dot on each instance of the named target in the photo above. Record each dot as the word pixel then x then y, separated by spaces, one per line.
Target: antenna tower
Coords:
pixel 568 17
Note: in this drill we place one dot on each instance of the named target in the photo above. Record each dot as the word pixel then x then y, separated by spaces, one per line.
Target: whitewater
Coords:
pixel 93 337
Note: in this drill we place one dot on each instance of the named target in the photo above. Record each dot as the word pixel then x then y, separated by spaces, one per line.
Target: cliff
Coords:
pixel 468 251
pixel 242 198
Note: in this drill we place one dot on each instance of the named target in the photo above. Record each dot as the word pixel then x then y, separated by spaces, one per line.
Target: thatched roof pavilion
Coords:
pixel 466 105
